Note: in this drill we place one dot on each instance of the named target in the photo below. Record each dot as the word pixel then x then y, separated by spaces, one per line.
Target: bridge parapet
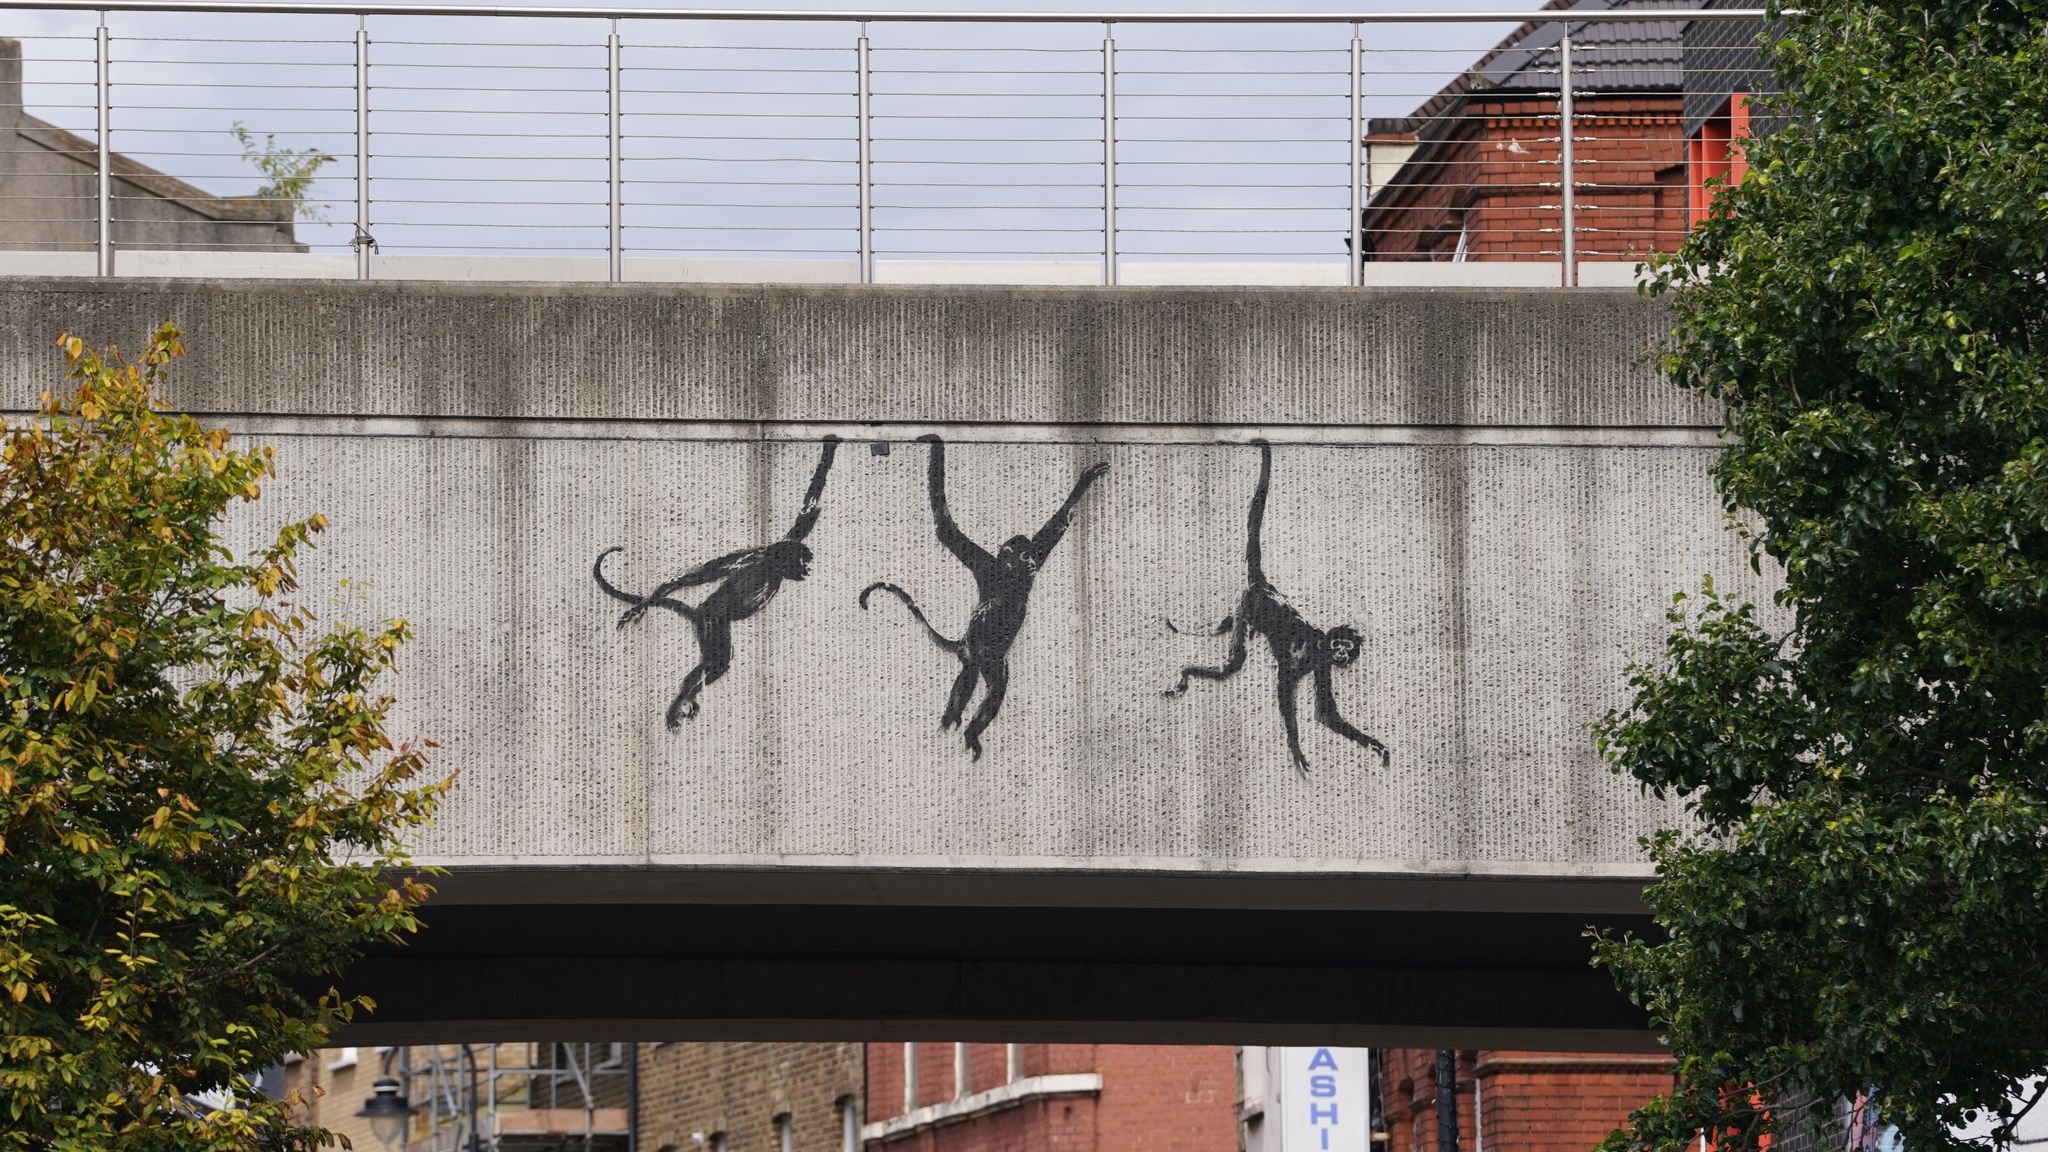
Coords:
pixel 1491 490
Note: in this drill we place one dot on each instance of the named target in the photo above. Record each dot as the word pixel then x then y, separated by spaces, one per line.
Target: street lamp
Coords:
pixel 388 1111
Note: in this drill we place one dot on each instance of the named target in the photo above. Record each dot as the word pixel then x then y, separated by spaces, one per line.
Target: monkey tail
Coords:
pixel 952 646
pixel 1220 629
pixel 639 603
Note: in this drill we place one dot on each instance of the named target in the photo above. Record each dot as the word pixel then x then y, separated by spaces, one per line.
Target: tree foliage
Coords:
pixel 1863 906
pixel 288 172
pixel 198 801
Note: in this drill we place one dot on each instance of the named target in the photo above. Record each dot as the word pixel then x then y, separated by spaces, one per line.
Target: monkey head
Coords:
pixel 787 560
pixel 1017 554
pixel 1342 643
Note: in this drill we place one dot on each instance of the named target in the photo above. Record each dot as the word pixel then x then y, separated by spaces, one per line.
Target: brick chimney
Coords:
pixel 10 82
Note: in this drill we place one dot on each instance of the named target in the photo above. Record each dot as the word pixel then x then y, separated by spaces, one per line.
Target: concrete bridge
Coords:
pixel 1490 489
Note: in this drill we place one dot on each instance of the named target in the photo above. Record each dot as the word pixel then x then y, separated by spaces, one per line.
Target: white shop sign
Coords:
pixel 1321 1101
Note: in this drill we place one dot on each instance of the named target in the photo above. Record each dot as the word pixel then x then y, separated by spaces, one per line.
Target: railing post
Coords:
pixel 1356 275
pixel 866 274
pixel 616 266
pixel 362 241
pixel 1566 131
pixel 1109 271
pixel 102 98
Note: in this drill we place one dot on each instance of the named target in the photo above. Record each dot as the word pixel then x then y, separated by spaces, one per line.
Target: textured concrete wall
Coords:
pixel 1489 485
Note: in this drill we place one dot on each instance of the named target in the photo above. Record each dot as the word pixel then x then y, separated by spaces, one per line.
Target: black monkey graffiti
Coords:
pixel 1003 585
pixel 1299 648
pixel 746 579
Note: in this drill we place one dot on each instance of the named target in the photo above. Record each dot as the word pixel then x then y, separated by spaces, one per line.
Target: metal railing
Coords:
pixel 623 144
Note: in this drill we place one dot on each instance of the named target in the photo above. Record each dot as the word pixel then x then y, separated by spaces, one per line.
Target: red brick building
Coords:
pixel 1477 169
pixel 1512 1101
pixel 1160 1098
pixel 1050 1098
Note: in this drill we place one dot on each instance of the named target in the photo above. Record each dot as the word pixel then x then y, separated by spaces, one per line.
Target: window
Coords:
pixel 1715 153
pixel 785 1133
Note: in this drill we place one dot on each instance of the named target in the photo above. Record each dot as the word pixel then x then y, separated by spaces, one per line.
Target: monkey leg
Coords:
pixel 998 677
pixel 1328 716
pixel 956 701
pixel 1288 683
pixel 714 641
pixel 684 706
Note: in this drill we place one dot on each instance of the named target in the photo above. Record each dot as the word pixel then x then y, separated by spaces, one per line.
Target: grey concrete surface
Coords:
pixel 49 193
pixel 1491 486
pixel 1194 356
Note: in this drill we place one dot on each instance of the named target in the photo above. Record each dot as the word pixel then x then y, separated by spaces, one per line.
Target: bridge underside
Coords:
pixel 1481 503
pixel 1461 968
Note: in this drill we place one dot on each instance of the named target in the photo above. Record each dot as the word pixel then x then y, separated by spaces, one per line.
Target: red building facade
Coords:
pixel 1513 1101
pixel 1166 1098
pixel 1481 163
pixel 1050 1098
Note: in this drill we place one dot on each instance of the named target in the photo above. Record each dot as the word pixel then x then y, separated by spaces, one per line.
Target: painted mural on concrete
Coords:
pixel 1002 584
pixel 1300 649
pixel 747 580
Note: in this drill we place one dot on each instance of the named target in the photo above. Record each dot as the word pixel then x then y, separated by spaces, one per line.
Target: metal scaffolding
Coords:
pixel 517 1097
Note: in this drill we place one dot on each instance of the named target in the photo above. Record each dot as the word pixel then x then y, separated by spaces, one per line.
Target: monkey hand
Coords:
pixel 1094 471
pixel 1300 764
pixel 930 438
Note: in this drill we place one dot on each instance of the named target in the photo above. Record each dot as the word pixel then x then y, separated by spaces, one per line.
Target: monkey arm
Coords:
pixel 705 573
pixel 807 516
pixel 966 551
pixel 1056 528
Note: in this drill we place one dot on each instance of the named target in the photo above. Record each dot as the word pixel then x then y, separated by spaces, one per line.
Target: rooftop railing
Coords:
pixel 445 141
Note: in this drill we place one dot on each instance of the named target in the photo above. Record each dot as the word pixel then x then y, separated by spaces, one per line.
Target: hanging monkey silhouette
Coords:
pixel 746 579
pixel 1300 649
pixel 1003 584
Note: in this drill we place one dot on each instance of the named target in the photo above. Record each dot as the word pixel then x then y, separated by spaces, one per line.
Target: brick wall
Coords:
pixel 333 1094
pixel 739 1090
pixel 1154 1098
pixel 1528 1101
pixel 1495 181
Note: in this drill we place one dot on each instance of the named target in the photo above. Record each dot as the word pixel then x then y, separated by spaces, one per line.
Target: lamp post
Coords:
pixel 388 1112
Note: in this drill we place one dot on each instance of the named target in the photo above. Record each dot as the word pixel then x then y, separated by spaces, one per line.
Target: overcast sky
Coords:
pixel 489 134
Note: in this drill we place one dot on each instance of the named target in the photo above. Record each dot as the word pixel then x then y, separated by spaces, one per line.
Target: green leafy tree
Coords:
pixel 199 806
pixel 288 172
pixel 1862 909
